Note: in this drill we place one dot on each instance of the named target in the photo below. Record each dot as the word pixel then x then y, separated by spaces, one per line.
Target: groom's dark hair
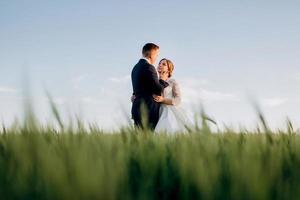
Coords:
pixel 148 48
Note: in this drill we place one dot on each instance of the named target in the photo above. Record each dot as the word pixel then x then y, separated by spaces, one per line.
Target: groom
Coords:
pixel 145 84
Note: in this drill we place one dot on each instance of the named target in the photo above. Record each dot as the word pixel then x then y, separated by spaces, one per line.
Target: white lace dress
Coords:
pixel 172 118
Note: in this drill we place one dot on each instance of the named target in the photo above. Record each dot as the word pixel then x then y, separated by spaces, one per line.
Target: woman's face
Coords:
pixel 162 68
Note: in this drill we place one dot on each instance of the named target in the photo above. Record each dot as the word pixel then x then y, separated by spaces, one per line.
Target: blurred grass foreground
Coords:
pixel 43 162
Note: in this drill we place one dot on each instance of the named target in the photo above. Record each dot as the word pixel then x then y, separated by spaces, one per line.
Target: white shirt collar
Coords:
pixel 146 59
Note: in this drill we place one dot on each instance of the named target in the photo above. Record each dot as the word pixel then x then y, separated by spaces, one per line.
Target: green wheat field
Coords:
pixel 83 162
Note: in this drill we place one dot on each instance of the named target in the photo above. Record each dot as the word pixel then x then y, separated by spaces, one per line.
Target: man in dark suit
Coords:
pixel 145 84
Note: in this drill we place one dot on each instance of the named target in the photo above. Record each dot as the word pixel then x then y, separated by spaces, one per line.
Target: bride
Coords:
pixel 172 118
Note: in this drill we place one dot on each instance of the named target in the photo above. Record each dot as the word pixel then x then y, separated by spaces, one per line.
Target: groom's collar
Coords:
pixel 146 59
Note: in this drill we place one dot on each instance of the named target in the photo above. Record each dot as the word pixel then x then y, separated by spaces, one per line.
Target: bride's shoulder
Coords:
pixel 172 81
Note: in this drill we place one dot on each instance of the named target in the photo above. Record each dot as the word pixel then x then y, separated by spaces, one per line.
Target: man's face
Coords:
pixel 154 55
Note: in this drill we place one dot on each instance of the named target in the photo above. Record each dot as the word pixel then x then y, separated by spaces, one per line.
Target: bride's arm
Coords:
pixel 176 100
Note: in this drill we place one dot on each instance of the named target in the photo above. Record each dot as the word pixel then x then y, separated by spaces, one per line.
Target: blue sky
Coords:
pixel 83 53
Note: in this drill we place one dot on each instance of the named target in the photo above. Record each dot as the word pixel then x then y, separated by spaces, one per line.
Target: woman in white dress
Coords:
pixel 172 118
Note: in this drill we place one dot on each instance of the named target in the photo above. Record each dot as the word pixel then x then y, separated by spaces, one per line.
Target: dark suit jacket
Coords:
pixel 145 83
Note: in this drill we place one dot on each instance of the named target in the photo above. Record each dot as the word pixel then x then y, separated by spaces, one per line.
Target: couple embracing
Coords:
pixel 156 95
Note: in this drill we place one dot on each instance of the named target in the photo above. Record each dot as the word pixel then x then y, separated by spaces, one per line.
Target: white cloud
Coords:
pixel 274 102
pixel 59 100
pixel 193 91
pixel 191 81
pixel 7 89
pixel 121 79
pixel 78 79
pixel 89 100
pixel 218 96
pixel 193 95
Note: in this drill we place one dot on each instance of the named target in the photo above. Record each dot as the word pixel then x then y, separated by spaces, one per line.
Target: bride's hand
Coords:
pixel 163 76
pixel 158 99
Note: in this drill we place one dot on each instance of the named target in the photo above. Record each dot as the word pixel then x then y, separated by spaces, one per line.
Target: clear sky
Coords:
pixel 83 53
